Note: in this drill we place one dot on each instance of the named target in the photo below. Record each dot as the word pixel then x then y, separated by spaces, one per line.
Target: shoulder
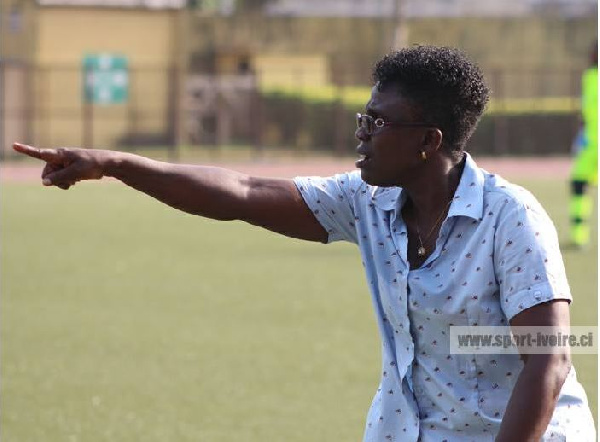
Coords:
pixel 341 189
pixel 351 182
pixel 502 195
pixel 346 180
pixel 517 216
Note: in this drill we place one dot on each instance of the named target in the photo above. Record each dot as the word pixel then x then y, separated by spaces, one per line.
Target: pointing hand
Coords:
pixel 66 166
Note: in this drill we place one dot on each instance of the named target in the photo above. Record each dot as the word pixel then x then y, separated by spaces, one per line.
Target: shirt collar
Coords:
pixel 468 198
pixel 387 198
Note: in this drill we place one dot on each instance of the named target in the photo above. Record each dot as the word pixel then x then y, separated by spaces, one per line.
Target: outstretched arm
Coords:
pixel 212 192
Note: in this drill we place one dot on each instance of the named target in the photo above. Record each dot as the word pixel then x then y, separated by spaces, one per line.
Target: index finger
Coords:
pixel 27 150
pixel 35 152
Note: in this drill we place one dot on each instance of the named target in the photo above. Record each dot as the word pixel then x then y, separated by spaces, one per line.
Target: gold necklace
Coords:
pixel 421 251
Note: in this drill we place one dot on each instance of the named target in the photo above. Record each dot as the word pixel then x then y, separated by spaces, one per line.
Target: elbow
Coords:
pixel 556 367
pixel 563 367
pixel 560 371
pixel 249 200
pixel 228 202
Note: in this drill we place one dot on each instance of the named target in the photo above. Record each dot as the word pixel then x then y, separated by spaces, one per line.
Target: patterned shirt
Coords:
pixel 496 255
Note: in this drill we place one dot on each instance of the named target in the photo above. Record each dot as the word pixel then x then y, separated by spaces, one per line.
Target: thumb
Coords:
pixel 67 175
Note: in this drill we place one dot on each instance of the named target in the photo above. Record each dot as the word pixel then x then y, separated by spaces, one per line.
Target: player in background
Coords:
pixel 443 242
pixel 585 167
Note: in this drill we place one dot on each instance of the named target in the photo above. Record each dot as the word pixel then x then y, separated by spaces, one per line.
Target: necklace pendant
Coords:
pixel 421 251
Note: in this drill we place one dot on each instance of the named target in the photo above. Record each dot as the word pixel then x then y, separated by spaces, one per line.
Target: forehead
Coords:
pixel 388 102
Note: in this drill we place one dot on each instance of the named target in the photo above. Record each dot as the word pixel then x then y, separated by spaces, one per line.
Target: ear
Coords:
pixel 432 139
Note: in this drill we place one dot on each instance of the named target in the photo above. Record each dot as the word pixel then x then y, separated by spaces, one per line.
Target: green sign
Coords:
pixel 106 78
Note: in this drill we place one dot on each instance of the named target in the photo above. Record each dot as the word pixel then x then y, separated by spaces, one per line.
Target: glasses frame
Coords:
pixel 377 123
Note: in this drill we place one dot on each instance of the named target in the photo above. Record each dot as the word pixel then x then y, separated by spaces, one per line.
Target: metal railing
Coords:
pixel 532 111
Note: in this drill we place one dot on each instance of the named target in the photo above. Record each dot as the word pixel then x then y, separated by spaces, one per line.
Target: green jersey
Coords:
pixel 589 106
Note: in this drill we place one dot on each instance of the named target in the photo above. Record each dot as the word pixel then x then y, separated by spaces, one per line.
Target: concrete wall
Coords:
pixel 522 57
pixel 352 45
pixel 17 37
pixel 549 42
pixel 151 41
pixel 17 30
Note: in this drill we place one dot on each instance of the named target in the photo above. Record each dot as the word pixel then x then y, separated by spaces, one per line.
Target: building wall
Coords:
pixel 429 8
pixel 351 45
pixel 521 57
pixel 64 35
pixel 291 71
pixel 543 42
pixel 17 35
pixel 533 65
pixel 526 56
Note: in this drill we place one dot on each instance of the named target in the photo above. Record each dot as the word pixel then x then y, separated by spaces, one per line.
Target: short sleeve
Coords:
pixel 331 200
pixel 527 259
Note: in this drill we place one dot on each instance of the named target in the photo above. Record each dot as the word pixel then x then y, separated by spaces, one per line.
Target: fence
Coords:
pixel 46 105
pixel 532 111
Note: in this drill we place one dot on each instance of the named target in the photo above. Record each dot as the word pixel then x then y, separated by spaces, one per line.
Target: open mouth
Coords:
pixel 362 161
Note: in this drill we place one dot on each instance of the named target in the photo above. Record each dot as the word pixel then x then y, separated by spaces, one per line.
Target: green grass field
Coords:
pixel 124 320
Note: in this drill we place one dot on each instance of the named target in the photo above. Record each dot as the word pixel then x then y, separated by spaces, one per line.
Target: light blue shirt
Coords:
pixel 496 255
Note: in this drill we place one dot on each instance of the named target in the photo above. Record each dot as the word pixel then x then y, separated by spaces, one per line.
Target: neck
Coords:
pixel 434 187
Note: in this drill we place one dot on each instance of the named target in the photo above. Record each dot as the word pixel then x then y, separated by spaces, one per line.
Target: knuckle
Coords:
pixel 64 153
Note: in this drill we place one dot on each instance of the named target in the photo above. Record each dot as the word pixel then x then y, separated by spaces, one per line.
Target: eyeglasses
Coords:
pixel 368 123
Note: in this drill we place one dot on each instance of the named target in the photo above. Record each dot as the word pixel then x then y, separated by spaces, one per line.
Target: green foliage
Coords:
pixel 323 118
pixel 122 319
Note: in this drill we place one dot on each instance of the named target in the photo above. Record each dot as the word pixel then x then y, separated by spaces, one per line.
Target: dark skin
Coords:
pixel 212 192
pixel 430 184
pixel 394 158
pixel 536 392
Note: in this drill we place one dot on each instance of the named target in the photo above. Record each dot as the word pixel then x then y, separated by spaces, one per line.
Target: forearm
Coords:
pixel 200 190
pixel 216 193
pixel 534 398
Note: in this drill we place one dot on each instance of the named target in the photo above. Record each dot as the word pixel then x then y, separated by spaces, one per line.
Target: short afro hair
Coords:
pixel 445 88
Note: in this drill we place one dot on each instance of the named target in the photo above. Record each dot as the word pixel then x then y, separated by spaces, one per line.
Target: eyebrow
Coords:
pixel 369 109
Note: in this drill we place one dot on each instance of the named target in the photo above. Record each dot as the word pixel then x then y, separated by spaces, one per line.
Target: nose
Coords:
pixel 361 134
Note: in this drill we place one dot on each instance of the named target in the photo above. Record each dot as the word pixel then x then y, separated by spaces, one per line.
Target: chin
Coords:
pixel 367 178
pixel 373 180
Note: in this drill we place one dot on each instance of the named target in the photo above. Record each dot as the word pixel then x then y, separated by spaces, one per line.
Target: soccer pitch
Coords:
pixel 125 320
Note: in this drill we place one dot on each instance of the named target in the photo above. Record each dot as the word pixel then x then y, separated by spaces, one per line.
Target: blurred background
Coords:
pixel 274 74
pixel 124 320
